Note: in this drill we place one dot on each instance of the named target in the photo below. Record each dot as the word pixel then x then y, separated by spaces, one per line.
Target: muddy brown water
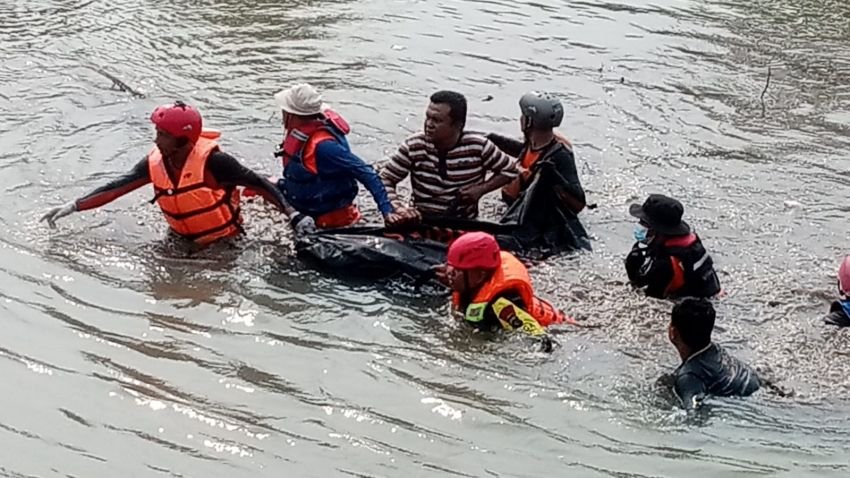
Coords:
pixel 121 356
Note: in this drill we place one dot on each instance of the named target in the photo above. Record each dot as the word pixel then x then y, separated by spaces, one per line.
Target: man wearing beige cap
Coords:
pixel 320 172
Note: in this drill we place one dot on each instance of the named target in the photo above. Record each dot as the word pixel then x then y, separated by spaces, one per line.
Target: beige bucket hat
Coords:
pixel 301 99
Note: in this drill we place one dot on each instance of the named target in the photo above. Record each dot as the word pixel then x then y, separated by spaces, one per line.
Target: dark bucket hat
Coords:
pixel 662 214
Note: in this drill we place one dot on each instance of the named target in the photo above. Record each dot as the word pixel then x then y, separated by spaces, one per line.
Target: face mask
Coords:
pixel 640 233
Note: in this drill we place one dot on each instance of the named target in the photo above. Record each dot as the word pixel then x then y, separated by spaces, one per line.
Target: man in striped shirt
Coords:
pixel 448 166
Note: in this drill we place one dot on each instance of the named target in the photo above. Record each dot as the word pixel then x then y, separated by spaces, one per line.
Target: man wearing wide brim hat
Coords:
pixel 668 258
pixel 320 172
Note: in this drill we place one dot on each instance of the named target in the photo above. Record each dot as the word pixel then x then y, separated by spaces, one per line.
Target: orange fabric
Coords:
pixel 191 208
pixel 513 276
pixel 308 158
pixel 529 158
pixel 340 218
pixel 678 280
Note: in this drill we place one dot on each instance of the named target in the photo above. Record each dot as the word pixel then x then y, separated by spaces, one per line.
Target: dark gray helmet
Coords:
pixel 542 110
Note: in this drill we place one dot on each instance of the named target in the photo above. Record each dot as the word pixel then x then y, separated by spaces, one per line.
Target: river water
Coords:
pixel 121 356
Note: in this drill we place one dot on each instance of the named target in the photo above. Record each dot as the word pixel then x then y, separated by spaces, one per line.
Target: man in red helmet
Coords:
pixel 493 290
pixel 195 183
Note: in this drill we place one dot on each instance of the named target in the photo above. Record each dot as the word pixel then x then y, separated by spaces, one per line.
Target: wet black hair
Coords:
pixel 694 320
pixel 456 102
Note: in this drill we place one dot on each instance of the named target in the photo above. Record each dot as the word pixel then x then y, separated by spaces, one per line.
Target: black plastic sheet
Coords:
pixel 534 225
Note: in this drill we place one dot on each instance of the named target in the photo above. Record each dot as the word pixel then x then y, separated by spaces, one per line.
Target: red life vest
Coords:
pixel 298 139
pixel 300 146
pixel 191 208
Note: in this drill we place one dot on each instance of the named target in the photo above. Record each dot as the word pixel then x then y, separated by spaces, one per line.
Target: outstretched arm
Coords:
pixel 129 182
pixel 508 145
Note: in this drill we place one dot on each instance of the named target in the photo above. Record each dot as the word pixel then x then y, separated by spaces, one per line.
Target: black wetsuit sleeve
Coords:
pixel 132 180
pixel 837 316
pixel 572 194
pixel 659 276
pixel 228 171
pixel 634 263
pixel 651 271
pixel 509 146
pixel 690 390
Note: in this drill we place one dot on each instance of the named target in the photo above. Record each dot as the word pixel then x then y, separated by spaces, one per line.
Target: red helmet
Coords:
pixel 179 120
pixel 475 250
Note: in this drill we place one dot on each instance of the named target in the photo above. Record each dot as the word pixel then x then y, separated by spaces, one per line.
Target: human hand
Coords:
pixel 58 213
pixel 441 274
pixel 403 216
pixel 303 224
pixel 546 343
pixel 470 195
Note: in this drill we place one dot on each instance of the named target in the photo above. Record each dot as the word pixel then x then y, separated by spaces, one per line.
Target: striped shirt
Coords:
pixel 437 181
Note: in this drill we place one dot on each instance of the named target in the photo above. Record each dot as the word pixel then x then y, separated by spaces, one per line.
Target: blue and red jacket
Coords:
pixel 320 172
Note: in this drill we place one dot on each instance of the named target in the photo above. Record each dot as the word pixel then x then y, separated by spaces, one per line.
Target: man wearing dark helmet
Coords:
pixel 542 149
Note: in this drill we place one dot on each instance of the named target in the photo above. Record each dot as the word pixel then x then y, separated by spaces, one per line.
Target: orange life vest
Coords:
pixel 193 209
pixel 512 277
